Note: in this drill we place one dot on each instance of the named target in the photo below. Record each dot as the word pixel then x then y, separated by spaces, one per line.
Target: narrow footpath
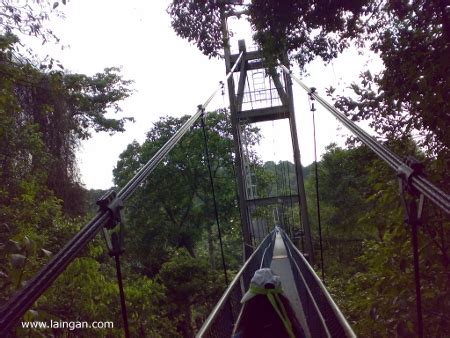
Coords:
pixel 282 267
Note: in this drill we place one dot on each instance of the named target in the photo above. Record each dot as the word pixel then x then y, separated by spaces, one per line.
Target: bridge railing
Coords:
pixel 220 322
pixel 323 317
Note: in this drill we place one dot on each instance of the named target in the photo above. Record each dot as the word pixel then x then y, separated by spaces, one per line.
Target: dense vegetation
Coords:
pixel 368 253
pixel 172 261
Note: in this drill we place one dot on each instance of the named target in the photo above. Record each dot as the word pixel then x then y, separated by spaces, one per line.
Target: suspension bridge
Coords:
pixel 256 94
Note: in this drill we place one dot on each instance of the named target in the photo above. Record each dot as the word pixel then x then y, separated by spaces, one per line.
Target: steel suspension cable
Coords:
pixel 114 243
pixel 213 191
pixel 316 174
pixel 285 183
pixel 419 182
pixel 291 203
pixel 123 305
pixel 22 300
pixel 236 187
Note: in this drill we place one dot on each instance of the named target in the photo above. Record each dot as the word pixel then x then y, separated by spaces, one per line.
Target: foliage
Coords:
pixel 28 18
pixel 148 304
pixel 380 297
pixel 367 248
pixel 411 37
pixel 172 228
pixel 411 95
pixel 170 273
pixel 174 214
pixel 45 115
pixel 310 28
pixel 199 22
pixel 20 259
pixel 190 282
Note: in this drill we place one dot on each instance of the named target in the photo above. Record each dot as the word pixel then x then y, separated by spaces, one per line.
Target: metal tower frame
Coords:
pixel 253 60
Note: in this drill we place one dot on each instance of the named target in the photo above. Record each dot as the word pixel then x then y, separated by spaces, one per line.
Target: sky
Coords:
pixel 171 77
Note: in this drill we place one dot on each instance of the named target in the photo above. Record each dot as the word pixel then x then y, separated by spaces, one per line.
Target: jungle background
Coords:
pixel 172 265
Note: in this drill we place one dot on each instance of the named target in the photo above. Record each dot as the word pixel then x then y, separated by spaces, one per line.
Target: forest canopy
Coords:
pixel 172 263
pixel 412 38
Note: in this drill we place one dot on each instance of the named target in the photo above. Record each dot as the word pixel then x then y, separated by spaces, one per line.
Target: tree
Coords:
pixel 170 220
pixel 368 254
pixel 411 95
pixel 63 108
pixel 44 113
pixel 189 282
pixel 28 18
pixel 174 206
pixel 199 22
pixel 305 28
pixel 380 297
pixel 60 109
pixel 412 39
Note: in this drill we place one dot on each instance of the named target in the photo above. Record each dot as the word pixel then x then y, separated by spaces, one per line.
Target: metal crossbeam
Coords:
pixel 284 200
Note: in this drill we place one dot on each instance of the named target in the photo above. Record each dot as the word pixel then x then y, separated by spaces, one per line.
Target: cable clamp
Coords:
pixel 113 205
pixel 410 167
pixel 202 115
pixel 201 108
pixel 412 199
pixel 312 90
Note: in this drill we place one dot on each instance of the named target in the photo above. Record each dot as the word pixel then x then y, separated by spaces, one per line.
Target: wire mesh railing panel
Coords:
pixel 313 317
pixel 223 327
pixel 323 317
pixel 222 319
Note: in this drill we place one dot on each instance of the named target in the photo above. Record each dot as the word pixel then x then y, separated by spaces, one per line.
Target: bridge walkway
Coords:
pixel 282 267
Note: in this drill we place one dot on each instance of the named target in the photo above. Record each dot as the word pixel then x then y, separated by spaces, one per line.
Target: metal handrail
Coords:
pixel 222 301
pixel 308 289
pixel 340 317
pixel 267 248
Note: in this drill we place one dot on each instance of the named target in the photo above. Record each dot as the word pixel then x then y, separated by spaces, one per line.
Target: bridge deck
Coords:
pixel 282 267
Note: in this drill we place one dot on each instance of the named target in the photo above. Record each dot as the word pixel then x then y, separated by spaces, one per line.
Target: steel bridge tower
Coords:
pixel 270 104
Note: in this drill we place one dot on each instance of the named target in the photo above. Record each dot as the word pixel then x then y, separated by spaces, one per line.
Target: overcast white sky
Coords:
pixel 172 78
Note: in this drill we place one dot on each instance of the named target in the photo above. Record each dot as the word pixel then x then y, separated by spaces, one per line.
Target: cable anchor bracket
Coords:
pixel 202 115
pixel 113 205
pixel 312 99
pixel 412 199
